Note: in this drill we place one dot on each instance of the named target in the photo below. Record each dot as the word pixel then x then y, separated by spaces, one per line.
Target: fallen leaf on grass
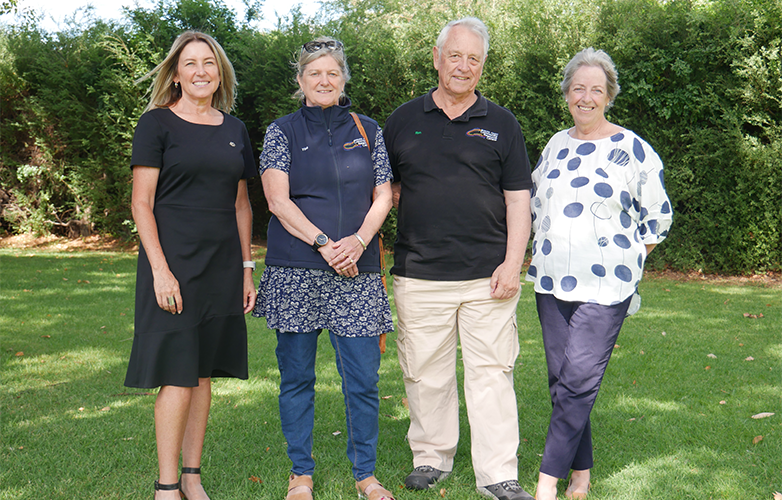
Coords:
pixel 105 408
pixel 442 492
pixel 336 433
pixel 663 334
pixel 723 402
pixel 387 397
pixel 617 346
pixel 749 358
pixel 46 336
pixel 764 414
pixel 710 355
pixel 20 353
pixel 753 316
pixel 404 402
pixel 707 368
pixel 255 479
pixel 757 439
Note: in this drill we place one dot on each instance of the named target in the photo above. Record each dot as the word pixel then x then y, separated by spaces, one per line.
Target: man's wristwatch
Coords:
pixel 320 240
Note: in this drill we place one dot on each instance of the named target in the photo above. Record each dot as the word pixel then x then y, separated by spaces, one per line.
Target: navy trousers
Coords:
pixel 578 338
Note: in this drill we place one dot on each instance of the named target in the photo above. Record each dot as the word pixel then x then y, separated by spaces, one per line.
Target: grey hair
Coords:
pixel 471 23
pixel 598 59
pixel 307 57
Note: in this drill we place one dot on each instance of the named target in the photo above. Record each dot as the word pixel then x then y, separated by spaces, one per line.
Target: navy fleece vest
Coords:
pixel 331 181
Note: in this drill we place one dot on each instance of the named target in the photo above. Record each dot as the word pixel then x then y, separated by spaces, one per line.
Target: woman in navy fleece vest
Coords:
pixel 329 190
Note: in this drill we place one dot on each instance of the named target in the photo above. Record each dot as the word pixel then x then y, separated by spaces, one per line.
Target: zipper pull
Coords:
pixel 329 131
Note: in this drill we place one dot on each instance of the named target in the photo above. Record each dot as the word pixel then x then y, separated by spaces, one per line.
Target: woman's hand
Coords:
pixel 167 292
pixel 249 293
pixel 343 255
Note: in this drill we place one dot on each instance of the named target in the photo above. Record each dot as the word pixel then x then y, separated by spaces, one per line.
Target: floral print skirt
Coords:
pixel 299 300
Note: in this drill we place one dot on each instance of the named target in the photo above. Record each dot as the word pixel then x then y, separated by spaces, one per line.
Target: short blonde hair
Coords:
pixel 598 59
pixel 307 57
pixel 165 94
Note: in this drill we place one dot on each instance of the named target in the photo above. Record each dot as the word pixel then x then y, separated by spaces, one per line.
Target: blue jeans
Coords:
pixel 358 361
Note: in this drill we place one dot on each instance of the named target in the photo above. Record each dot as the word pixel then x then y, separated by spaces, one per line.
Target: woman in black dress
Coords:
pixel 194 283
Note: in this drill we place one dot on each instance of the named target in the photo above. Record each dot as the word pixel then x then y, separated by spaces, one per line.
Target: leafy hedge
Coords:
pixel 701 82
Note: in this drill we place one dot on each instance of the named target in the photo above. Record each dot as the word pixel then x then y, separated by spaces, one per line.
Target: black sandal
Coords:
pixel 188 470
pixel 167 487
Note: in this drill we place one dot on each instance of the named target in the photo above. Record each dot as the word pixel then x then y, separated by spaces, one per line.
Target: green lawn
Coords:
pixel 673 419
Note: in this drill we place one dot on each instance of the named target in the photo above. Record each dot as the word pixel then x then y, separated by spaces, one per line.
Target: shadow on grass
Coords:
pixel 673 418
pixel 671 422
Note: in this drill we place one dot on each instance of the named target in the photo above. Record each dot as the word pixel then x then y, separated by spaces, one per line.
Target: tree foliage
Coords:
pixel 701 82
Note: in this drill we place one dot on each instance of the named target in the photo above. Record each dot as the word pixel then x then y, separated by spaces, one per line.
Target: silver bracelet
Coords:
pixel 360 240
pixel 248 263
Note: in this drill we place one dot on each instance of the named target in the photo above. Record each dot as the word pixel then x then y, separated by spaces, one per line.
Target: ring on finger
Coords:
pixel 171 301
pixel 351 260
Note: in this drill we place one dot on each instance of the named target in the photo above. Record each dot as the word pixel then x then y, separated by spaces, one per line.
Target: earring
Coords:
pixel 176 85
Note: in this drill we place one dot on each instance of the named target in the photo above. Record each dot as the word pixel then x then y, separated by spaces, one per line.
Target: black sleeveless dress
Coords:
pixel 200 167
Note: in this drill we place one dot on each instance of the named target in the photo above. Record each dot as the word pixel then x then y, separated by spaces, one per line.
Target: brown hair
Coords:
pixel 164 94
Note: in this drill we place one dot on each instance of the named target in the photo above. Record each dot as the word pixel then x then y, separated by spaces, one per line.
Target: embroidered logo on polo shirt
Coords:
pixel 479 132
pixel 355 143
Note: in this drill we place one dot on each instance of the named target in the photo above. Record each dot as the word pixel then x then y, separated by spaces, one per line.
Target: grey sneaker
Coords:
pixel 424 477
pixel 506 490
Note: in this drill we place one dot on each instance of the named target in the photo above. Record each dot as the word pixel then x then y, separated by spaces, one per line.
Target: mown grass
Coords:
pixel 671 422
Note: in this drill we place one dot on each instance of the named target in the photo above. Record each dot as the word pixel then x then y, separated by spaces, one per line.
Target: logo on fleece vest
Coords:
pixel 355 143
pixel 479 132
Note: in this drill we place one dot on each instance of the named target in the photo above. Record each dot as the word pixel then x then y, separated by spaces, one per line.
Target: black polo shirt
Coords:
pixel 451 221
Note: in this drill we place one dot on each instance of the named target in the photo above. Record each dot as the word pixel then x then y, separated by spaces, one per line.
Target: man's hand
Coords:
pixel 505 281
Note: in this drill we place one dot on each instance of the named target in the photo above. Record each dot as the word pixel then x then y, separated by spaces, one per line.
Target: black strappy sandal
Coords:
pixel 187 470
pixel 168 487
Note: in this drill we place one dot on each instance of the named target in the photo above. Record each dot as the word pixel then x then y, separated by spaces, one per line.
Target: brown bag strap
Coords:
pixel 360 127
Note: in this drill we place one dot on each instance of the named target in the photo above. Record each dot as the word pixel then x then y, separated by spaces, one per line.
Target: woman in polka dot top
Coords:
pixel 599 207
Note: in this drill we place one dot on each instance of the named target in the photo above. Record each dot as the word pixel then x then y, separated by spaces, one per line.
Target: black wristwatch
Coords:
pixel 320 240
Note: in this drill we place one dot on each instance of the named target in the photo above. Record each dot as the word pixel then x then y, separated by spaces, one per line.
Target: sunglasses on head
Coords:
pixel 316 46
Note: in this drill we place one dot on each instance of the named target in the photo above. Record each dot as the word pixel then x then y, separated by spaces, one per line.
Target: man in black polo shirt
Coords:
pixel 462 181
